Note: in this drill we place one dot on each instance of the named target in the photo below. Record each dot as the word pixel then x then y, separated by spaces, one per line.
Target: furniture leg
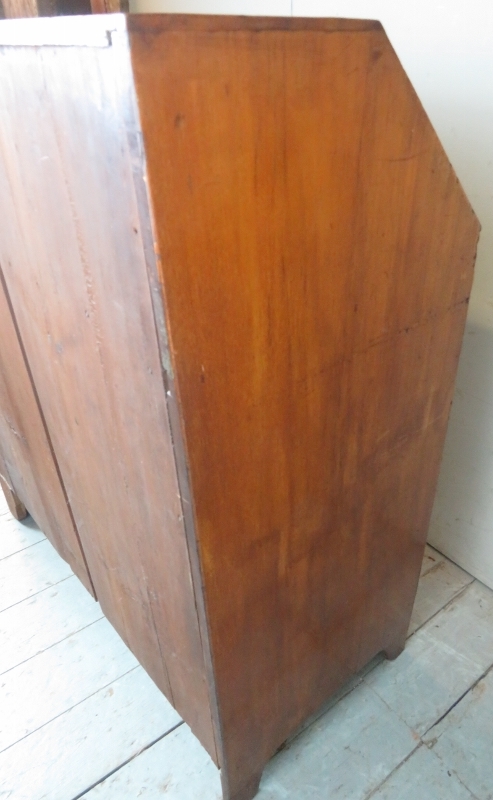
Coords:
pixel 16 506
pixel 246 791
pixel 396 647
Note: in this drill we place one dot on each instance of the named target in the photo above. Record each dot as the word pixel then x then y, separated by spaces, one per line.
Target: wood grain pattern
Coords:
pixel 240 262
pixel 27 461
pixel 310 225
pixel 74 261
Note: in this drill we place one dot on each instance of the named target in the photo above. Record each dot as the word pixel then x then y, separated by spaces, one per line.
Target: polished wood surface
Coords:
pixel 316 255
pixel 239 262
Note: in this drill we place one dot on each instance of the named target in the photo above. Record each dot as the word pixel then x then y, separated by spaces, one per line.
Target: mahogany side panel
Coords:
pixel 31 470
pixel 316 254
pixel 73 252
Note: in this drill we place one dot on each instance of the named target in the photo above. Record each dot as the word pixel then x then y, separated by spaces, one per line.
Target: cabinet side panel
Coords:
pixel 316 255
pixel 75 268
pixel 26 451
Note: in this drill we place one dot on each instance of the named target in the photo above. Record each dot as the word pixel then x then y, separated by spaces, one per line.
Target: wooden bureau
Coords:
pixel 235 271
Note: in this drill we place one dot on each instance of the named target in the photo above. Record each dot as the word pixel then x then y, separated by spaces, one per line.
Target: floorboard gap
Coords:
pixel 34 594
pixel 100 689
pixel 128 760
pixel 447 604
pixel 22 549
pixel 392 772
pixel 53 644
pixel 456 703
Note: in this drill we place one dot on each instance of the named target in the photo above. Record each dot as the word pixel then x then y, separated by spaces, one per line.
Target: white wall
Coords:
pixel 446 46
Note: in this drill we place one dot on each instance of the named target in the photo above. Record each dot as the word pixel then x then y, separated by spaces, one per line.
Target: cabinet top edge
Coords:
pixel 96 30
pixel 157 23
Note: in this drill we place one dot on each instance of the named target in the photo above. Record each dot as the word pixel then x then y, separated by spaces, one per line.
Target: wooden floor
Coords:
pixel 80 718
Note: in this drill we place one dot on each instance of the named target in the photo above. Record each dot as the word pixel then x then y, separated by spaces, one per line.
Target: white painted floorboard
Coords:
pixel 40 689
pixel 28 572
pixel 431 559
pixel 441 661
pixel 437 587
pixel 79 718
pixel 185 772
pixel 423 777
pixel 463 740
pixel 16 535
pixel 92 738
pixel 347 753
pixel 36 624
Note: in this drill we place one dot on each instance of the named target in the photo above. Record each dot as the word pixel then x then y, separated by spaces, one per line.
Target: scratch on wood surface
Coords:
pixel 410 157
pixel 14 430
pixel 88 280
pixel 381 340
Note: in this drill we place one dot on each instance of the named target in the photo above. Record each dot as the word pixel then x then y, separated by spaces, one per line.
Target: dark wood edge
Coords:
pixel 212 23
pixel 146 218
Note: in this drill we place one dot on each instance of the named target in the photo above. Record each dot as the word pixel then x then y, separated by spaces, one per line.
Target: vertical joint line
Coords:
pixel 44 423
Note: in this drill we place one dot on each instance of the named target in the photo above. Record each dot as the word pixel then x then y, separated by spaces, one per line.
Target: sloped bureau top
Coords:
pixel 238 262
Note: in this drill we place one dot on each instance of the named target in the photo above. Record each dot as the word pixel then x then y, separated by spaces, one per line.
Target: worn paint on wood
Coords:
pixel 30 571
pixel 79 747
pixel 18 535
pixel 185 773
pixel 37 691
pixel 36 623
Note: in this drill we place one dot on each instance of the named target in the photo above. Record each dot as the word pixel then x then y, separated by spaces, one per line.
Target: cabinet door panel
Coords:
pixel 77 275
pixel 27 457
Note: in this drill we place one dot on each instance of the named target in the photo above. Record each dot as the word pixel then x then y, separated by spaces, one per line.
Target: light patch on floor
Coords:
pixel 80 718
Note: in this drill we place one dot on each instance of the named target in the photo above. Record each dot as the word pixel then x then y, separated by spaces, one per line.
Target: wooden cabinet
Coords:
pixel 236 264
